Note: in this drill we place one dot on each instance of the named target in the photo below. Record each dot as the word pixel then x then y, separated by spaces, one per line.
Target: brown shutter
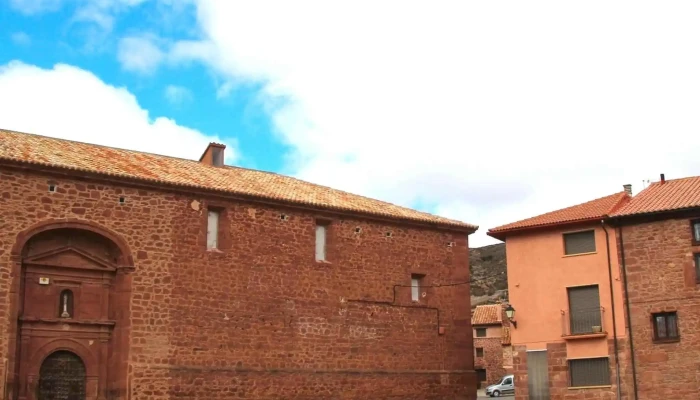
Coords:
pixel 584 309
pixel 579 242
pixel 589 372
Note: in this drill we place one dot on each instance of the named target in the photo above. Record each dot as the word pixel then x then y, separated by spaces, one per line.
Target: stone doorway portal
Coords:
pixel 62 377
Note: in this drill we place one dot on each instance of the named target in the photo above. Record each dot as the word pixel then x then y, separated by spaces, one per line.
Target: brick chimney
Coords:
pixel 628 189
pixel 213 155
pixel 663 179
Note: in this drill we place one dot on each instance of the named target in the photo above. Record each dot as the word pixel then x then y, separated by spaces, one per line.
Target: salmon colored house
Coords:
pixel 568 328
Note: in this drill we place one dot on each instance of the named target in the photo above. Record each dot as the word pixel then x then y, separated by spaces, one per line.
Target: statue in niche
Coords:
pixel 66 309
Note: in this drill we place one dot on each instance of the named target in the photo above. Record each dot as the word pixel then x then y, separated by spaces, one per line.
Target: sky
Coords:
pixel 486 112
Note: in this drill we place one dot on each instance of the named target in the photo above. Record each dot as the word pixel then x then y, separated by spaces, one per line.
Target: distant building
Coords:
pixel 565 287
pixel 492 350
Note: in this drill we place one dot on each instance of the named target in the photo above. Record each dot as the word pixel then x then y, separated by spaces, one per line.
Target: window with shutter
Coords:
pixel 695 227
pixel 589 372
pixel 665 327
pixel 213 229
pixel 416 281
pixel 584 309
pixel 320 242
pixel 579 242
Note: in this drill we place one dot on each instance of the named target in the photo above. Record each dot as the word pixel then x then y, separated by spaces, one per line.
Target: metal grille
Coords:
pixel 584 307
pixel 579 242
pixel 589 372
pixel 62 377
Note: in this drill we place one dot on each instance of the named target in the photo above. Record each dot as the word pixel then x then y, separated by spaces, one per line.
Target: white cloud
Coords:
pixel 140 54
pixel 21 39
pixel 491 111
pixel 71 103
pixel 177 94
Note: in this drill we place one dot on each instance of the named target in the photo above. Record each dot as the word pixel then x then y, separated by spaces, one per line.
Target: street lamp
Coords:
pixel 510 313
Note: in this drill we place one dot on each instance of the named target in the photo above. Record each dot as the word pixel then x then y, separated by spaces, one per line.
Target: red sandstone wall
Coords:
pixel 261 319
pixel 558 372
pixel 661 277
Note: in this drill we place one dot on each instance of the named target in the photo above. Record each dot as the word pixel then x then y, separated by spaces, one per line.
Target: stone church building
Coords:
pixel 127 275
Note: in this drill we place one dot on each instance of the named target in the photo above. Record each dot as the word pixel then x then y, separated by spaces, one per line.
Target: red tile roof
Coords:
pixel 158 169
pixel 592 210
pixel 674 194
pixel 489 314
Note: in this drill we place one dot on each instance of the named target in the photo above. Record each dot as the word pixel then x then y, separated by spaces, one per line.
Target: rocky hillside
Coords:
pixel 488 274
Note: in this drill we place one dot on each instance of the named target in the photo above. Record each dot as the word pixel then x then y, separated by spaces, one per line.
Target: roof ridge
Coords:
pixel 126 164
pixel 100 145
pixel 503 227
pixel 667 196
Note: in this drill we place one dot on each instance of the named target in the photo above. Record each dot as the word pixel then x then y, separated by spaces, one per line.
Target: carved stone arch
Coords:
pixel 95 264
pixel 126 258
pixel 74 346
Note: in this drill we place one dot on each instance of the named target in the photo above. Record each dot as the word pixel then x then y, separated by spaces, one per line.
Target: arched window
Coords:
pixel 66 304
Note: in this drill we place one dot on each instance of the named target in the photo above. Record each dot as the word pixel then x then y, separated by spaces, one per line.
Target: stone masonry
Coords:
pixel 661 278
pixel 558 375
pixel 260 318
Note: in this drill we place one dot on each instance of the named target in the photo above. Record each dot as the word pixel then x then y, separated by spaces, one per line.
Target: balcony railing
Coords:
pixel 583 322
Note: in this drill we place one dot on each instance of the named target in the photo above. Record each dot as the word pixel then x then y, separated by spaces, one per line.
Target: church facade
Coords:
pixel 127 275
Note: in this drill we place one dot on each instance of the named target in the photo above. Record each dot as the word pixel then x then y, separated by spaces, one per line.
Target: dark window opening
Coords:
pixel 479 351
pixel 697 267
pixel 579 242
pixel 65 309
pixel 665 327
pixel 480 332
pixel 589 372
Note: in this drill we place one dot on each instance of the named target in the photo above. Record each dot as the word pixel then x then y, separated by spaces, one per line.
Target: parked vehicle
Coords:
pixel 504 386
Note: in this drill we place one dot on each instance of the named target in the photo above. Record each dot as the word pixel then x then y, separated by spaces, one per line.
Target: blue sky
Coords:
pixel 46 38
pixel 486 112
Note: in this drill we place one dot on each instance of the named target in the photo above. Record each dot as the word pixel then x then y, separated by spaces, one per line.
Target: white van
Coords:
pixel 504 386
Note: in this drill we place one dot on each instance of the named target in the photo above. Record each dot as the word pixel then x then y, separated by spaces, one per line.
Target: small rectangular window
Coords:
pixel 579 242
pixel 415 286
pixel 697 267
pixel 665 327
pixel 479 351
pixel 320 242
pixel 696 231
pixel 213 229
pixel 589 372
pixel 480 332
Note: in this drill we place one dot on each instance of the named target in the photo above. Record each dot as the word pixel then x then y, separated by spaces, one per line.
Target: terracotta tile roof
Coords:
pixel 505 335
pixel 673 194
pixel 488 314
pixel 77 156
pixel 590 210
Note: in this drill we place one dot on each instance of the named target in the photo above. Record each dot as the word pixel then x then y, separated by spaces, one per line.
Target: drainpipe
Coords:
pixel 629 316
pixel 612 305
